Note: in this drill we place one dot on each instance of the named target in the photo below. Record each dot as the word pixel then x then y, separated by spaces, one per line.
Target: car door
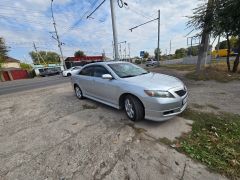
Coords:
pixel 85 80
pixel 104 89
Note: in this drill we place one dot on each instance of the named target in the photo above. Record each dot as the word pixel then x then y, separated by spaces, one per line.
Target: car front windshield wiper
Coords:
pixel 144 73
pixel 127 76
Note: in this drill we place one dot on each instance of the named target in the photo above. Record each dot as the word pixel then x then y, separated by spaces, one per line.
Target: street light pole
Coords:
pixel 115 39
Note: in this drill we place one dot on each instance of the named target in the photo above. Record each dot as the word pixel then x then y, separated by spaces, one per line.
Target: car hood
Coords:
pixel 155 81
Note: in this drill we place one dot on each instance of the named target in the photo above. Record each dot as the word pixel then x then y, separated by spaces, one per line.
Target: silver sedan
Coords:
pixel 123 85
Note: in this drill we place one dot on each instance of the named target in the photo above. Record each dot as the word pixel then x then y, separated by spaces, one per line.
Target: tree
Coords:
pixel 180 53
pixel 220 18
pixel 227 23
pixel 3 51
pixel 223 44
pixel 156 53
pixel 146 54
pixel 79 53
pixel 45 57
pixel 203 20
pixel 25 66
pixel 194 50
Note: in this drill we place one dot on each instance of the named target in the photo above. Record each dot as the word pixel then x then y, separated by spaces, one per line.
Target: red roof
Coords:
pixel 85 58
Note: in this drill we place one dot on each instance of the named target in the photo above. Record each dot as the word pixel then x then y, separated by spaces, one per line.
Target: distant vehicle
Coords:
pixel 71 71
pixel 143 94
pixel 151 62
pixel 49 72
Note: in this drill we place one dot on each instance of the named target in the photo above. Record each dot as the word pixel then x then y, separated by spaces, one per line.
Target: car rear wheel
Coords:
pixel 78 92
pixel 133 108
pixel 68 74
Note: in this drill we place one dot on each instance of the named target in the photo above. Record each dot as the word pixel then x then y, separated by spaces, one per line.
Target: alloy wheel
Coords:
pixel 129 108
pixel 78 92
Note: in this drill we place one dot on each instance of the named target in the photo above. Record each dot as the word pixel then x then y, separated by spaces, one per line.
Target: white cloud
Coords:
pixel 33 23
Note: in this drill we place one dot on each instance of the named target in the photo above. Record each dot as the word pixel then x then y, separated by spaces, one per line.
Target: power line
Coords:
pixel 81 18
pixel 138 12
pixel 96 9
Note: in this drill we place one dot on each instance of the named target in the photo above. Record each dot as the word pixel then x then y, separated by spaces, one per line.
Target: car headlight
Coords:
pixel 158 93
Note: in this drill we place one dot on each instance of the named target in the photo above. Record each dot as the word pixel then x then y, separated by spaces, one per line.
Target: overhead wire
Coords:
pixel 96 8
pixel 81 18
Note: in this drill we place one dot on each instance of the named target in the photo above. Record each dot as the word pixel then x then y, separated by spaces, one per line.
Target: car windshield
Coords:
pixel 125 70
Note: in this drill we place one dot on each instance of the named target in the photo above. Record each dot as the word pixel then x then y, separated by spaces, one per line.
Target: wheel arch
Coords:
pixel 122 97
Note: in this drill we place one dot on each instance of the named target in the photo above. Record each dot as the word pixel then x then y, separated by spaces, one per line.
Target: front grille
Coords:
pixel 168 112
pixel 181 92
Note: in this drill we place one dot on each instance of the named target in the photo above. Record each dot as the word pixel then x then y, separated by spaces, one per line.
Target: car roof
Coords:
pixel 106 62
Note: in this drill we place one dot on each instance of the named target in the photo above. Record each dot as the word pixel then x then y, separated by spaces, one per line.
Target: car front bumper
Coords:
pixel 159 109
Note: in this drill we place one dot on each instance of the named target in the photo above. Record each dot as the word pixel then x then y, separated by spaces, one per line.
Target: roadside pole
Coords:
pixel 57 38
pixel 115 40
pixel 129 55
pixel 158 50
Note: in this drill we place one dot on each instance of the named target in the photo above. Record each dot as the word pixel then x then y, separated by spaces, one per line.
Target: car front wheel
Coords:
pixel 78 92
pixel 133 108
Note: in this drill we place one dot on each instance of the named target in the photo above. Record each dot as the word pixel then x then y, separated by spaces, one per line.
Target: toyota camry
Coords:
pixel 123 85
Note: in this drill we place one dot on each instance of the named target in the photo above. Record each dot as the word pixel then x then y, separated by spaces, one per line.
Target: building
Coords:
pixel 11 63
pixel 80 61
pixel 11 70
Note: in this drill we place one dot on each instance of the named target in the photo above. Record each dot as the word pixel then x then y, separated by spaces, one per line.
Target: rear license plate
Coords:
pixel 184 100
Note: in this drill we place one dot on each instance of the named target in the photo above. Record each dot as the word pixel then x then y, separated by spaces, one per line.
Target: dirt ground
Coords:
pixel 49 134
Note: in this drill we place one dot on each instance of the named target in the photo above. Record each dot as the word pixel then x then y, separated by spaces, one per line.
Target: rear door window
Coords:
pixel 87 71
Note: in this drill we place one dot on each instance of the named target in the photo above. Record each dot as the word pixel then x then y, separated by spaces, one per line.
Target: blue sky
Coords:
pixel 26 21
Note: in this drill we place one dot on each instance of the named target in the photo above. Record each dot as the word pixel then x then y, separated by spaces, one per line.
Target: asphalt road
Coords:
pixel 28 84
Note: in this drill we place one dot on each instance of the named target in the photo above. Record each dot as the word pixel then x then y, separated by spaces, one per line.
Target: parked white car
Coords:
pixel 71 71
pixel 151 62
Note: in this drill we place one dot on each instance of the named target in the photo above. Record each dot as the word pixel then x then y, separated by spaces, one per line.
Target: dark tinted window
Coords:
pixel 87 71
pixel 99 71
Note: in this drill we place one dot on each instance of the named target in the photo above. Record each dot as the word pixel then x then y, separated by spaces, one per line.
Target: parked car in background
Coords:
pixel 71 71
pixel 143 94
pixel 49 72
pixel 151 62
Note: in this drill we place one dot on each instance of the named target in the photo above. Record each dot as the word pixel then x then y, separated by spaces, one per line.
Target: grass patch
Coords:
pixel 180 67
pixel 87 106
pixel 214 71
pixel 214 140
pixel 165 141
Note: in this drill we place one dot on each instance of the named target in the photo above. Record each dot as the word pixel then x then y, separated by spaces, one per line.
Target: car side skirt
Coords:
pixel 101 101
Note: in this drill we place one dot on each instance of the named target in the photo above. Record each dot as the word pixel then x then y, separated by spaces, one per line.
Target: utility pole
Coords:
pixel 38 54
pixel 35 48
pixel 125 50
pixel 115 39
pixel 170 48
pixel 120 51
pixel 129 51
pixel 158 47
pixel 57 37
pixel 113 50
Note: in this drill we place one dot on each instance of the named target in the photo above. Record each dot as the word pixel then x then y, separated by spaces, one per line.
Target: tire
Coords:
pixel 78 92
pixel 133 108
pixel 68 74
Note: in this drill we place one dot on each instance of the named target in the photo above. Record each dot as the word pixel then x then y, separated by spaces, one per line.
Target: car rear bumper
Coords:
pixel 162 111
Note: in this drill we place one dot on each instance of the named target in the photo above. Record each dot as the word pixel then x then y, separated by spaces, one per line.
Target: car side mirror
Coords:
pixel 107 76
